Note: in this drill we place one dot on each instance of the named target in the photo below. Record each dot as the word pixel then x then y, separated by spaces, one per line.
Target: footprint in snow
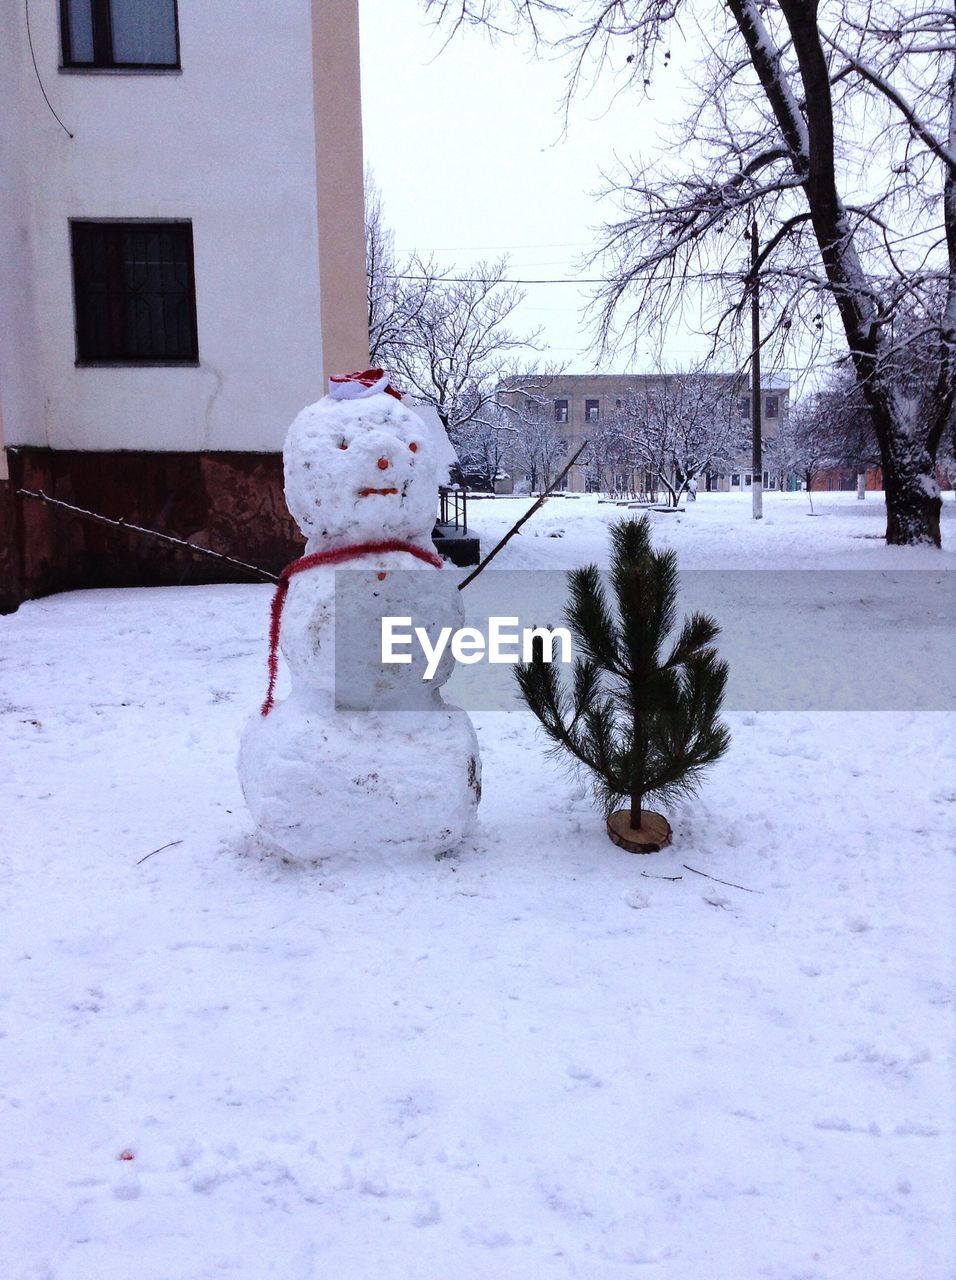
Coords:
pixel 717 900
pixel 583 1075
pixel 427 1214
pixel 858 924
pixel 839 1124
pixel 636 899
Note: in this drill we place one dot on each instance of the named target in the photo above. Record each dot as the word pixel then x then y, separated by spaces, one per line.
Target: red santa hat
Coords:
pixel 356 386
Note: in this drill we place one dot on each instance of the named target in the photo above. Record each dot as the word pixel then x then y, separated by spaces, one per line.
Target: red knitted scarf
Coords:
pixel 338 556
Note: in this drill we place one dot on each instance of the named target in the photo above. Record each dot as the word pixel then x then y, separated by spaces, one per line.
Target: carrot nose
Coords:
pixel 383 464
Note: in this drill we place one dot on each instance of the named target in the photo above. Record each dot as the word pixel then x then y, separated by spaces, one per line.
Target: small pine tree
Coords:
pixel 644 725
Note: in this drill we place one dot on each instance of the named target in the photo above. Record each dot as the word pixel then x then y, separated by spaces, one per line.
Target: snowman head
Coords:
pixel 360 470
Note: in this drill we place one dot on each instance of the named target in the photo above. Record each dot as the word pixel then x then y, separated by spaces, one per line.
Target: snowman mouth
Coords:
pixel 364 493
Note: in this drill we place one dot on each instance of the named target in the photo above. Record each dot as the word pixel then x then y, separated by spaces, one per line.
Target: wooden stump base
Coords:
pixel 652 835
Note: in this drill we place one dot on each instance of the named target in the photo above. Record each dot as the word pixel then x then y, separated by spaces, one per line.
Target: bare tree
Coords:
pixel 444 335
pixel 855 221
pixel 853 441
pixel 455 348
pixel 397 290
pixel 829 429
pixel 488 449
pixel 679 425
pixel 610 462
pixel 539 446
pixel 805 443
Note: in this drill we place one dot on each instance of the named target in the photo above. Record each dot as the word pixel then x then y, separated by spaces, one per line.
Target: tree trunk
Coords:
pixel 672 497
pixel 913 500
pixel 636 801
pixel 908 451
pixel 638 774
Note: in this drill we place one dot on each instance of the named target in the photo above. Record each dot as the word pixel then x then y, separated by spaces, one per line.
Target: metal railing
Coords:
pixel 453 507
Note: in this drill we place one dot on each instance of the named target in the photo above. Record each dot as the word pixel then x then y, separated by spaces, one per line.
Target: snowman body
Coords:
pixel 362 756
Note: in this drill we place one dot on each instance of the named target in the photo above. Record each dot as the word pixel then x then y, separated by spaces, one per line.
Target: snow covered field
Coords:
pixel 540 1058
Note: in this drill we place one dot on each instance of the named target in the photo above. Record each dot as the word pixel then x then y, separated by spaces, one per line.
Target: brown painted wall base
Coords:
pixel 11 591
pixel 230 502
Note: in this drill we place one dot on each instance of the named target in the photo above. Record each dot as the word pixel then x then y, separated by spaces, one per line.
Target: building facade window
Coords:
pixel 772 407
pixel 131 34
pixel 743 405
pixel 560 410
pixel 592 410
pixel 134 293
pixel 735 478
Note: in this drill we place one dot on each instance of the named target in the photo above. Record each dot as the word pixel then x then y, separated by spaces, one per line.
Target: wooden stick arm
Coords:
pixel 527 516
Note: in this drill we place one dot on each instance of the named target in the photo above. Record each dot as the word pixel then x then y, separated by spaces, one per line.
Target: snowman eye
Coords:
pixel 414 447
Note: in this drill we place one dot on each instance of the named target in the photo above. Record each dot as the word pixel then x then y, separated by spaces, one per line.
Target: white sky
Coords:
pixel 466 146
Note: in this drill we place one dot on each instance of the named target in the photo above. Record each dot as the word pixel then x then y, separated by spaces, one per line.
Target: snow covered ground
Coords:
pixel 540 1058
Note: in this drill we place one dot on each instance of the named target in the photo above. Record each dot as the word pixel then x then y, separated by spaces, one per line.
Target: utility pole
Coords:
pixel 756 402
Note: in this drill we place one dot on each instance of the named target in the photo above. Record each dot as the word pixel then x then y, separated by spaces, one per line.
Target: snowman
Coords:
pixel 360 757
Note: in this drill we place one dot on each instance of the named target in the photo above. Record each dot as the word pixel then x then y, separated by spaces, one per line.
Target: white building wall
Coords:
pixel 229 143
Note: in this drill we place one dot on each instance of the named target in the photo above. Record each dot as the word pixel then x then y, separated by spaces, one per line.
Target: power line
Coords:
pixel 26 10
pixel 502 280
pixel 705 277
pixel 500 248
pixel 438 278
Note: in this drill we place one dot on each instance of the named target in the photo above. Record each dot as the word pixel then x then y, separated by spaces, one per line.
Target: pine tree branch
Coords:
pixel 591 621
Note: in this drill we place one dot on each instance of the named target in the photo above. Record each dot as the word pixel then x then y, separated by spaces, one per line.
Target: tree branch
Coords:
pixel 919 127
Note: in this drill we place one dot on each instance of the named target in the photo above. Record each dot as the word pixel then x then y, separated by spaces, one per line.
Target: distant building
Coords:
pixel 580 403
pixel 181 264
pixel 845 479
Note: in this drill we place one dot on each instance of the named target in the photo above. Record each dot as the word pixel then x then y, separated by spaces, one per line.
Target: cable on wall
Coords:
pixel 26 10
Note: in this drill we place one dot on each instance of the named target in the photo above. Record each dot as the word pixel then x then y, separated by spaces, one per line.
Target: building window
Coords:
pixel 735 478
pixel 560 410
pixel 134 293
pixel 748 479
pixel 772 407
pixel 119 33
pixel 743 404
pixel 592 410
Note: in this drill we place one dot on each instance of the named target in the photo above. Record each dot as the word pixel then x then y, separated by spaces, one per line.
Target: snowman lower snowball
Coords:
pixel 330 770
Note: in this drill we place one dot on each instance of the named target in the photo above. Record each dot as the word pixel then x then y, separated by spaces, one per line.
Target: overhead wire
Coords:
pixel 26 10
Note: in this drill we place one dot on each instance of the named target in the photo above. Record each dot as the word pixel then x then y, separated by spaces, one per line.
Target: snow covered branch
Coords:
pixel 919 127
